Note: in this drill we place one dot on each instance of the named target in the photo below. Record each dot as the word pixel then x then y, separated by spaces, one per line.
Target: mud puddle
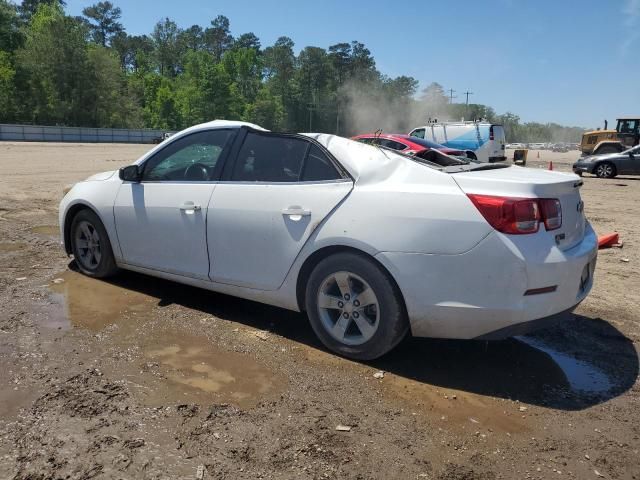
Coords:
pixel 94 304
pixel 162 366
pixel 46 230
pixel 582 377
pixel 11 247
pixel 183 368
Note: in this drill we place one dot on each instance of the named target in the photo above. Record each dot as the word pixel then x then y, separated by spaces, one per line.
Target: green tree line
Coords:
pixel 57 69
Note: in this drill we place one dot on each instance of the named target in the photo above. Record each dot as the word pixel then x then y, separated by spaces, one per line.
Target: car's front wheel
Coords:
pixel 354 307
pixel 605 170
pixel 90 246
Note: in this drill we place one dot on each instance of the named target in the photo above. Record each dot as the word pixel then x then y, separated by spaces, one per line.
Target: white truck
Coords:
pixel 486 140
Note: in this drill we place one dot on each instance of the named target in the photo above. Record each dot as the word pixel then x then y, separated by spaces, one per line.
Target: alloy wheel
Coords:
pixel 348 308
pixel 604 170
pixel 87 241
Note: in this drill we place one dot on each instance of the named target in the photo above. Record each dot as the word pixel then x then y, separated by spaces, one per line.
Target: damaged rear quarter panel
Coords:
pixel 424 212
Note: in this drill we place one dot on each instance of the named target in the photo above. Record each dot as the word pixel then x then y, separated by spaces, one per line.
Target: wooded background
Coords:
pixel 87 71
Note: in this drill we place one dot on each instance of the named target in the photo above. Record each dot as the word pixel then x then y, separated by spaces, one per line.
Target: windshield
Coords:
pixel 425 143
pixel 633 150
pixel 441 161
pixel 431 158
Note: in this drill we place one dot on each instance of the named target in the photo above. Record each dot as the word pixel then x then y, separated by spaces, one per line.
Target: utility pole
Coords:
pixel 451 97
pixel 466 108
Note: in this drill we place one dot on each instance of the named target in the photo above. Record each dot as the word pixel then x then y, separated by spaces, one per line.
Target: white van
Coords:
pixel 487 140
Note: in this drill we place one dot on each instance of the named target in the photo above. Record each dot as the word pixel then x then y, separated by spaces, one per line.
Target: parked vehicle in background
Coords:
pixel 610 164
pixel 163 137
pixel 536 146
pixel 371 243
pixel 486 140
pixel 626 135
pixel 515 146
pixel 560 147
pixel 410 145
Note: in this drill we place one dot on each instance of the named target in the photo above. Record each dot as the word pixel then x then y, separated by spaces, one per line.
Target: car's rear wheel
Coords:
pixel 90 246
pixel 605 170
pixel 354 307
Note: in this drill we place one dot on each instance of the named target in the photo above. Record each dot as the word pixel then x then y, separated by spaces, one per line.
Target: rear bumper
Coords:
pixel 480 294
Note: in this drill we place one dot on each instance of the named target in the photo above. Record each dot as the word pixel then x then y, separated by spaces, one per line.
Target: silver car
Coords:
pixel 610 164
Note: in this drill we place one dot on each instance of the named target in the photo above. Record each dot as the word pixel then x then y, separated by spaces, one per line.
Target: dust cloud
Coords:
pixel 368 111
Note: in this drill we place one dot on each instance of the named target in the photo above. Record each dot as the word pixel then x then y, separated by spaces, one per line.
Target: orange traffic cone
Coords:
pixel 550 165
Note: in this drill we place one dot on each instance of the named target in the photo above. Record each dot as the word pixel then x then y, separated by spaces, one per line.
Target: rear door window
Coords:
pixel 318 167
pixel 418 133
pixel 270 158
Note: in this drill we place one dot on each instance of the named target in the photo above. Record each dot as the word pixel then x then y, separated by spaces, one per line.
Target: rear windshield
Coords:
pixel 425 143
pixel 431 158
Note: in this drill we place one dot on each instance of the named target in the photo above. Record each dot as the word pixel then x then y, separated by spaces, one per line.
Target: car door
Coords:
pixel 161 220
pixel 630 162
pixel 270 200
pixel 635 161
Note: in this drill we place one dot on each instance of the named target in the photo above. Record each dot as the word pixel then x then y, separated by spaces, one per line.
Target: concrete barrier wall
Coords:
pixel 34 133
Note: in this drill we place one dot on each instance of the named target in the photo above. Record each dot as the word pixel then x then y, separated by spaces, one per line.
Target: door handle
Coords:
pixel 190 207
pixel 296 211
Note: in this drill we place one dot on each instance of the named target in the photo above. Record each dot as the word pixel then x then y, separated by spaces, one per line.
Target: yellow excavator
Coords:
pixel 626 135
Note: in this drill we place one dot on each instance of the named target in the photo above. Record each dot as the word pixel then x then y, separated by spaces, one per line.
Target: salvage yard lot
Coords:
pixel 143 378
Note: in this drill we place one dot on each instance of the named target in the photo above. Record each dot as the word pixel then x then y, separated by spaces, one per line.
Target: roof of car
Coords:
pixel 363 162
pixel 223 124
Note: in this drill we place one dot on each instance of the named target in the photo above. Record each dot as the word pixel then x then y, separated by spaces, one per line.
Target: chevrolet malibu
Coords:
pixel 372 244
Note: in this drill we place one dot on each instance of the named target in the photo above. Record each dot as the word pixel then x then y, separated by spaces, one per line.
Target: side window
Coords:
pixel 418 133
pixel 192 158
pixel 270 158
pixel 392 144
pixel 318 167
pixel 367 140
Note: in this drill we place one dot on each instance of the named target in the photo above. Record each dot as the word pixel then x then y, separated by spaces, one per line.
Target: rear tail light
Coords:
pixel 518 216
pixel 551 212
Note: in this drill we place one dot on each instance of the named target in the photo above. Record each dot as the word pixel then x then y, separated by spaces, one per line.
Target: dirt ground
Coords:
pixel 139 378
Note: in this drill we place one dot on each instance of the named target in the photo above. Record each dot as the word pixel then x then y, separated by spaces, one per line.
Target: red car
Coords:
pixel 410 145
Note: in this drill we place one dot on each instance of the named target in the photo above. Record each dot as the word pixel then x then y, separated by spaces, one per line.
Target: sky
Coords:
pixel 574 62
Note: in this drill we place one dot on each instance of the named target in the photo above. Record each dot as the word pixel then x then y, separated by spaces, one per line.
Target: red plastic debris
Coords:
pixel 609 240
pixel 550 165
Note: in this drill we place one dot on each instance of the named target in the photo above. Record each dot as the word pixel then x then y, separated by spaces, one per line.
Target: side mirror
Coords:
pixel 130 173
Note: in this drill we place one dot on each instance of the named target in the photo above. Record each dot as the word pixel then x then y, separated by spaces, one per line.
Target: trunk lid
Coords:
pixel 531 183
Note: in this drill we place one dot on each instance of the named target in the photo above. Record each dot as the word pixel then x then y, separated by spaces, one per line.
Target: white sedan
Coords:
pixel 372 244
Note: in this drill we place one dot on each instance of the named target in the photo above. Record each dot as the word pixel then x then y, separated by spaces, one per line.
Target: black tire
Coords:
pixel 605 170
pixel 391 324
pixel 98 260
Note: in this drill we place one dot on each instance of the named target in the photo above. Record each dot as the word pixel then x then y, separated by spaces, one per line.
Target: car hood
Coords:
pixel 99 177
pixel 605 156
